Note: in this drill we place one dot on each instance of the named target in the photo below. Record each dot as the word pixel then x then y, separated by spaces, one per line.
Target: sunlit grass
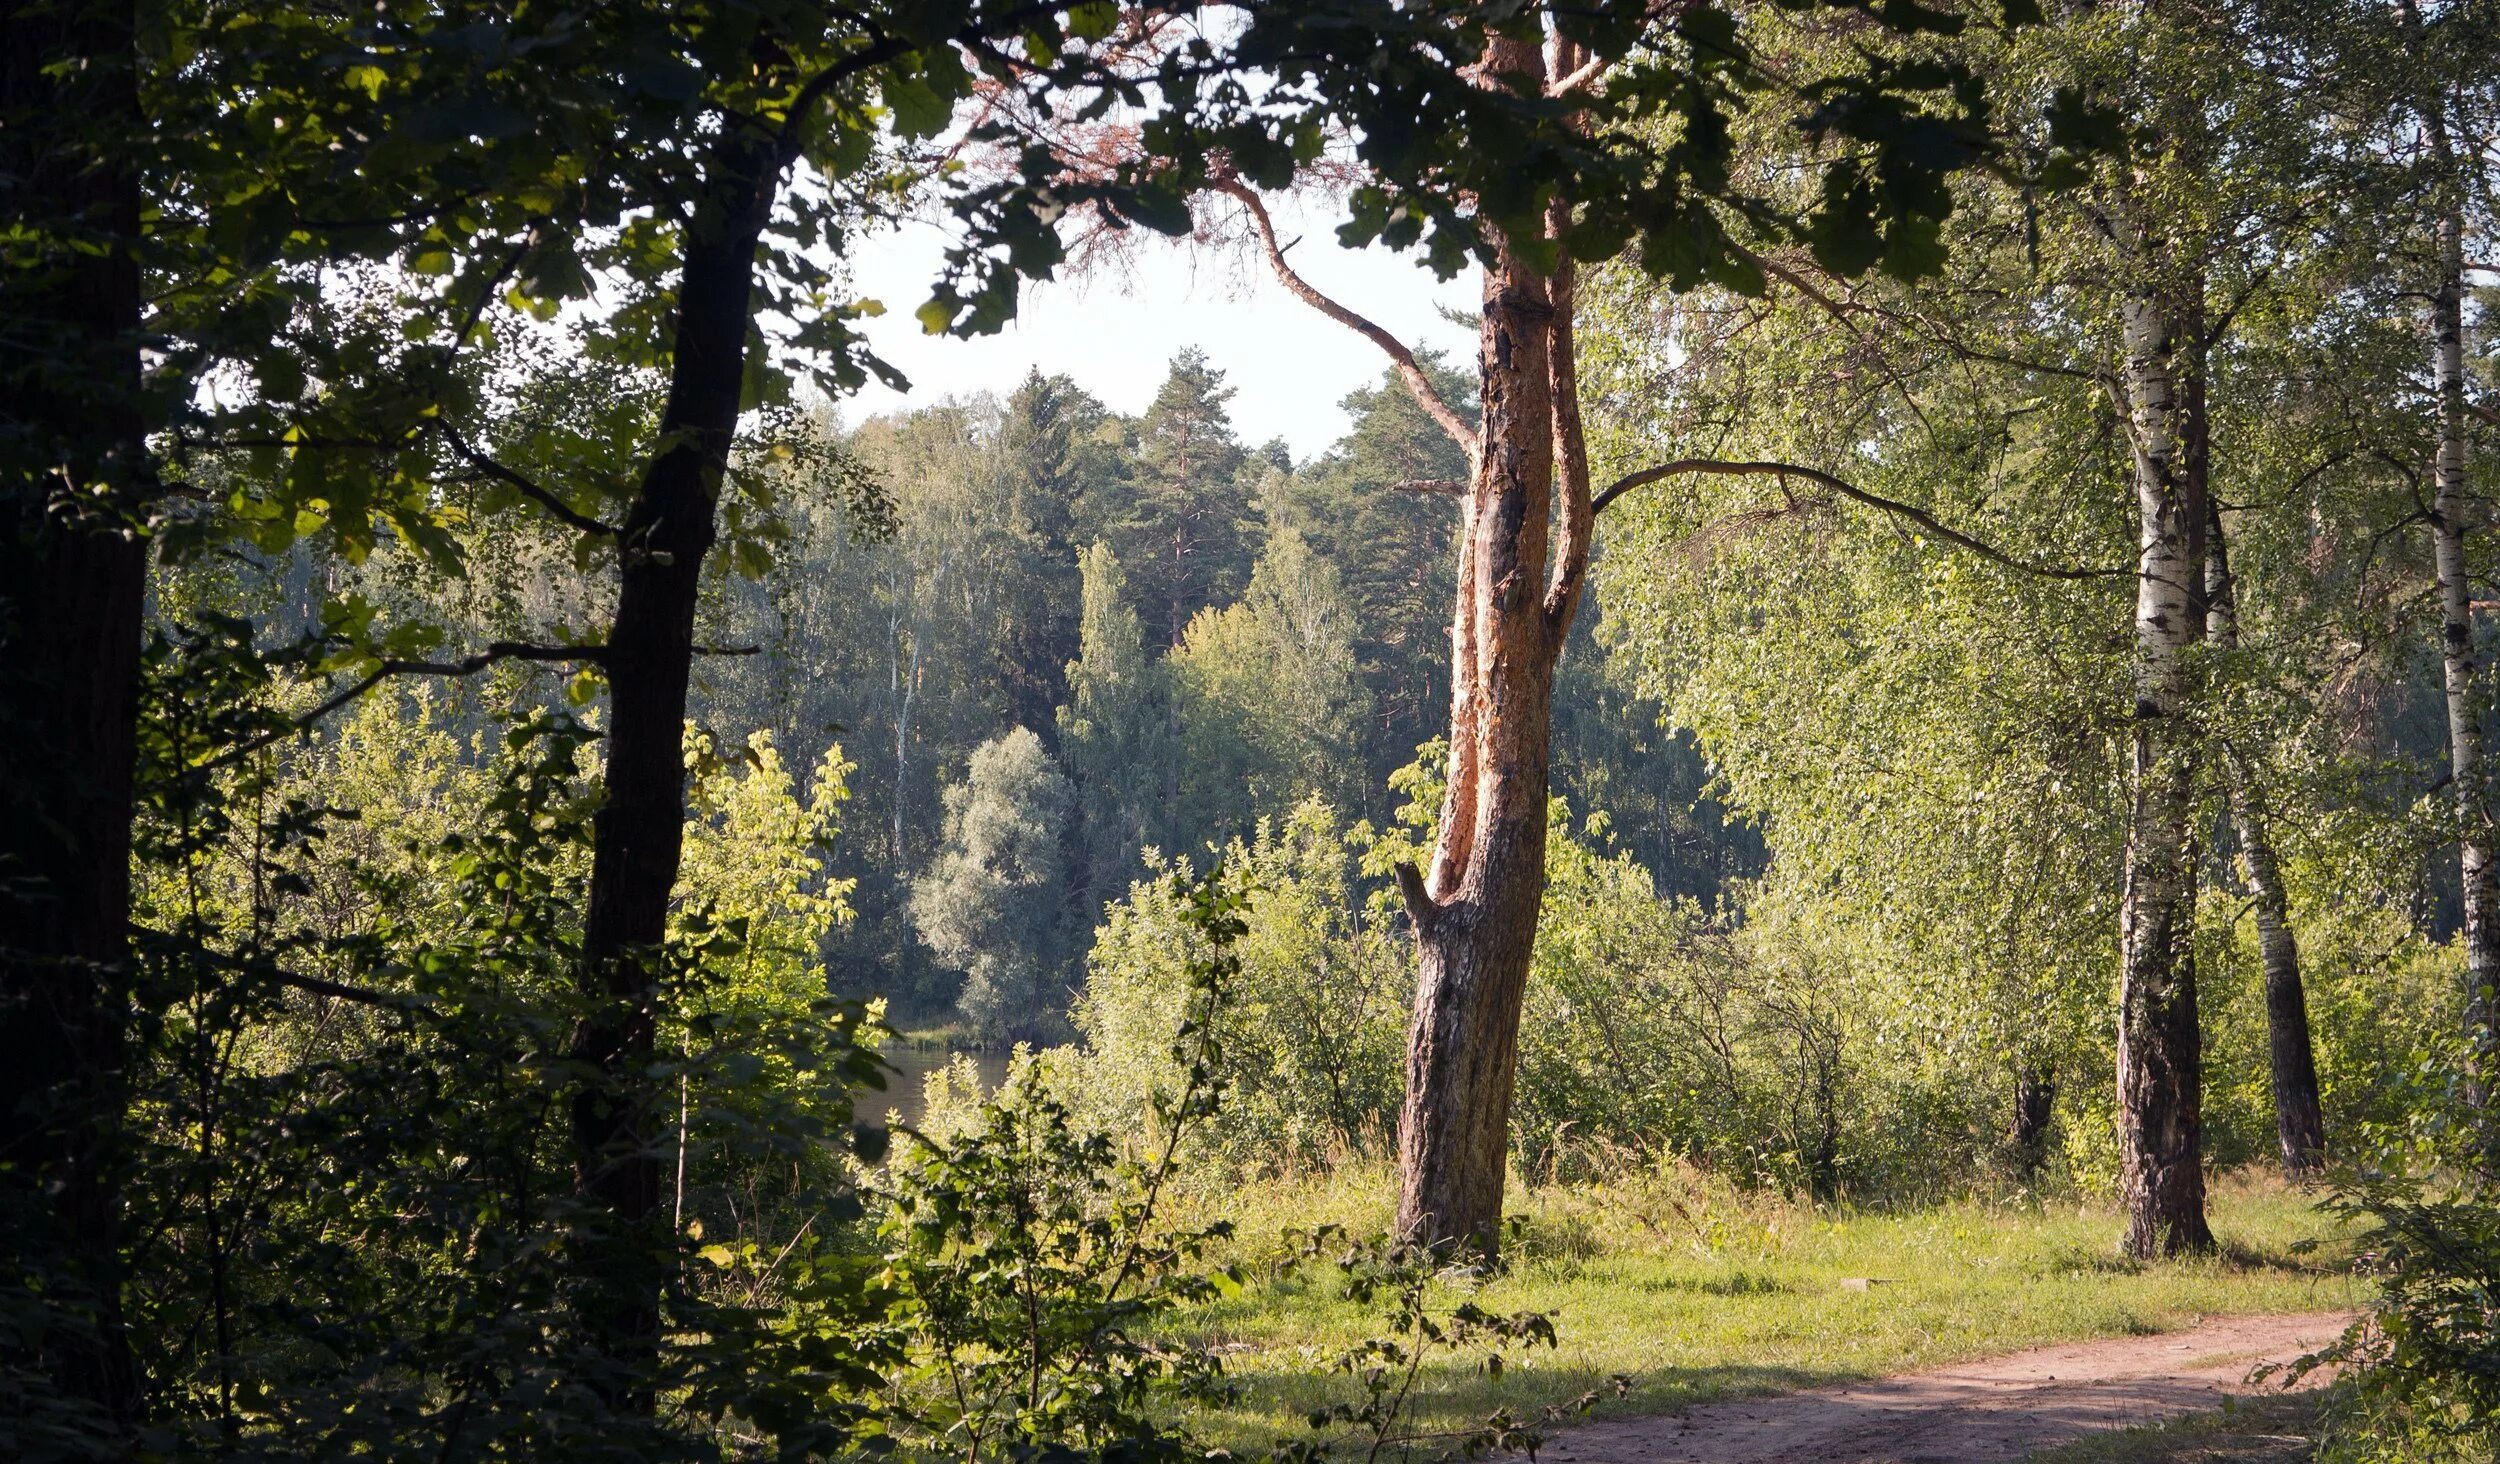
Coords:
pixel 1692 1291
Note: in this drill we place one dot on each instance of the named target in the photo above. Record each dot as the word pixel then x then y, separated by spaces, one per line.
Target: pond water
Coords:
pixel 913 1063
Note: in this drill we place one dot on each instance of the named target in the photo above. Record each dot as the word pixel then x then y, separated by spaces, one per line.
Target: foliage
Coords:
pixel 2424 1359
pixel 1268 694
pixel 1313 1033
pixel 351 1113
pixel 992 903
pixel 1025 1258
pixel 1117 736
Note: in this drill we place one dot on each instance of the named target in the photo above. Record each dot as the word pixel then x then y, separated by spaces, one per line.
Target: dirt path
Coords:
pixel 1994 1411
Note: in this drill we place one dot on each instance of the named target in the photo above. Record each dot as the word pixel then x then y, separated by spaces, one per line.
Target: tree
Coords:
pixel 75 489
pixel 992 904
pixel 718 112
pixel 1531 190
pixel 1116 735
pixel 2446 86
pixel 1183 532
pixel 1268 696
pixel 1047 441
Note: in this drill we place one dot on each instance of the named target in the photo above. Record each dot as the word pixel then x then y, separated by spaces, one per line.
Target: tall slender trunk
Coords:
pixel 2160 1045
pixel 1475 914
pixel 2452 527
pixel 2451 522
pixel 72 592
pixel 639 835
pixel 2299 1120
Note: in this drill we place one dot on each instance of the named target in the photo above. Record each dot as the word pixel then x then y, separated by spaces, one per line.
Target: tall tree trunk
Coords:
pixel 639 834
pixel 72 591
pixel 1475 914
pixel 2451 521
pixel 2160 1045
pixel 2299 1120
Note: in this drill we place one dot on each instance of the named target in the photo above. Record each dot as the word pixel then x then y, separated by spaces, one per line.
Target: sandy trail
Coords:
pixel 1993 1411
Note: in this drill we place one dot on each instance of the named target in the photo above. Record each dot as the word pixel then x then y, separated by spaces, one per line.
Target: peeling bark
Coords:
pixel 2160 1044
pixel 1475 912
pixel 2460 671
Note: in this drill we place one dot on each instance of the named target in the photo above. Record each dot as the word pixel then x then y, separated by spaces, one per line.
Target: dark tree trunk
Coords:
pixel 72 591
pixel 2035 1106
pixel 639 835
pixel 2300 1122
pixel 2160 1044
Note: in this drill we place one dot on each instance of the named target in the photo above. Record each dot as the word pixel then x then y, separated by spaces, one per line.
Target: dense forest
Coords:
pixel 1935 669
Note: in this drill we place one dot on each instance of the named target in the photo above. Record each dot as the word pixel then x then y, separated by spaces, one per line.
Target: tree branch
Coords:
pixel 1446 487
pixel 1409 369
pixel 526 486
pixel 1411 889
pixel 465 666
pixel 317 986
pixel 1723 468
pixel 1580 76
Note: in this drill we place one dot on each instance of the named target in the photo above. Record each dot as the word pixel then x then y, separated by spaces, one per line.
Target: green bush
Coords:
pixel 2423 1363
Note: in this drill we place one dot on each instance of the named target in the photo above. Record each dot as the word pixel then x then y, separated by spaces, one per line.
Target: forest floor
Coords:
pixel 1691 1294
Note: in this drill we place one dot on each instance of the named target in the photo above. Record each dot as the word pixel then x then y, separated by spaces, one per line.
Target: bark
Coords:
pixel 2299 1119
pixel 2160 1045
pixel 2035 1106
pixel 1475 913
pixel 2452 525
pixel 639 835
pixel 72 586
pixel 2461 671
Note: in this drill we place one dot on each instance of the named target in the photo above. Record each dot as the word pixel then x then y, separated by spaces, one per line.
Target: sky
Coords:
pixel 1115 332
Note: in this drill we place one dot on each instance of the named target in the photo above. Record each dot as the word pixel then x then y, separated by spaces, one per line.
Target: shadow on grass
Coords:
pixel 1277 1393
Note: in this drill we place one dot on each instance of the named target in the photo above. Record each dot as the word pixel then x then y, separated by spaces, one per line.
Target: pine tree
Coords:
pixel 1047 448
pixel 1184 534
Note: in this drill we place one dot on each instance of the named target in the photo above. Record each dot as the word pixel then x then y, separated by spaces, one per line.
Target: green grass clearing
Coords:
pixel 1694 1292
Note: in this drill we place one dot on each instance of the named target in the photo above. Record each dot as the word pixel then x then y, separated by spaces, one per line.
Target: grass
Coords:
pixel 1691 1292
